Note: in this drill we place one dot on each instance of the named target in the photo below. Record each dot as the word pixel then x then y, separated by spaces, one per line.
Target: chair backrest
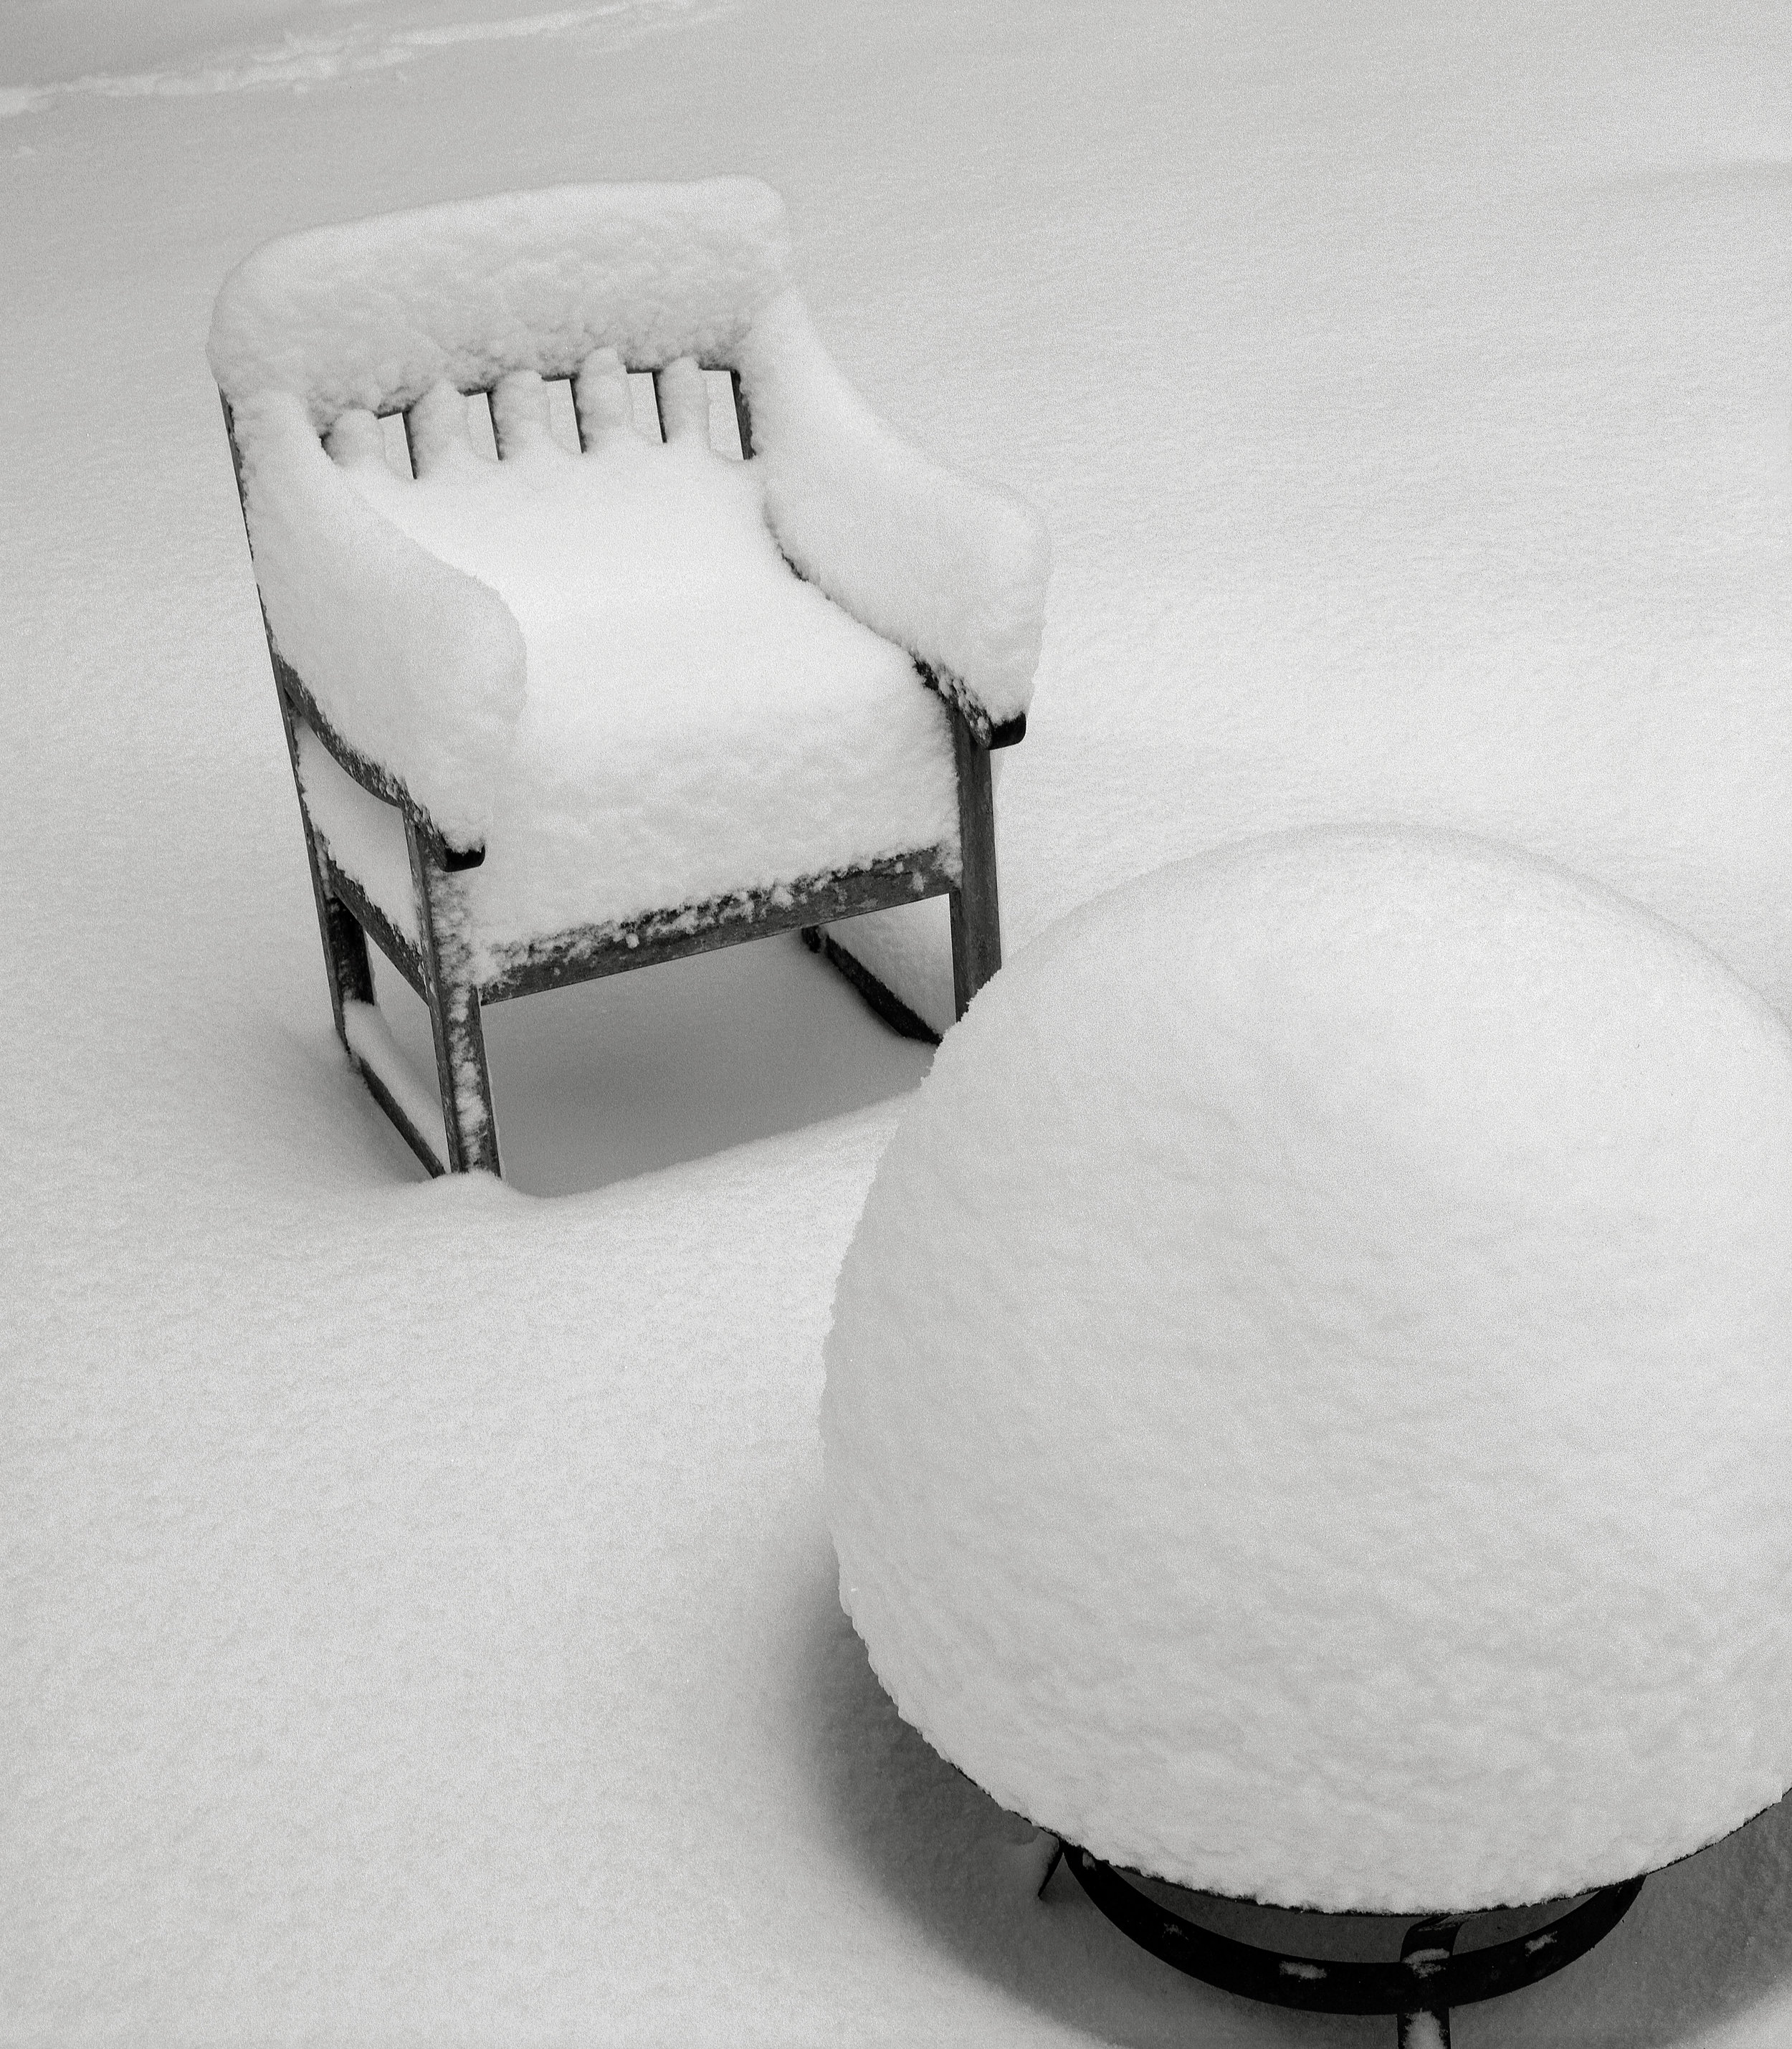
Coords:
pixel 374 313
pixel 677 399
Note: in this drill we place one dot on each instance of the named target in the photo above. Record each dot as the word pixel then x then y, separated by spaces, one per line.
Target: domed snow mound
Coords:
pixel 1309 1405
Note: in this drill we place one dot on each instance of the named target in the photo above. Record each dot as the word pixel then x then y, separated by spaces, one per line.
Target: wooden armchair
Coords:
pixel 555 714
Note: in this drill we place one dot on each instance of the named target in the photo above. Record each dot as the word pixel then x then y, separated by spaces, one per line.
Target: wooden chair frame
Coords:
pixel 439 966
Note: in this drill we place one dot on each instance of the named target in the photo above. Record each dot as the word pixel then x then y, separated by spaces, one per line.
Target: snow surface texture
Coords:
pixel 1309 1399
pixel 1435 493
pixel 188 49
pixel 697 721
pixel 419 1620
pixel 416 306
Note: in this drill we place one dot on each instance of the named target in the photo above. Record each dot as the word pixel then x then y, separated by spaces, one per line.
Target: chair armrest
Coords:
pixel 952 569
pixel 409 665
pixel 377 781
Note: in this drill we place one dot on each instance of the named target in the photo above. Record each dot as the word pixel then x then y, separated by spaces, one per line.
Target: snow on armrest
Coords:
pixel 952 569
pixel 416 665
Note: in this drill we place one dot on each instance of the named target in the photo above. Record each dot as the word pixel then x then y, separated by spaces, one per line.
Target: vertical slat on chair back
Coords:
pixel 743 416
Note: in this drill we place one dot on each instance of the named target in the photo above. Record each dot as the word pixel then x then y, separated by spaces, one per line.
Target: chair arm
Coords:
pixel 377 781
pixel 952 569
pixel 409 665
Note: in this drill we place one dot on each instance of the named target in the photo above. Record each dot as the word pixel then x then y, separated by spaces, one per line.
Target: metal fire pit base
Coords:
pixel 1429 1980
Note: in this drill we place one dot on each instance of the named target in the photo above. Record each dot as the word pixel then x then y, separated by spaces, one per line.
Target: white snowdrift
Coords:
pixel 1309 1397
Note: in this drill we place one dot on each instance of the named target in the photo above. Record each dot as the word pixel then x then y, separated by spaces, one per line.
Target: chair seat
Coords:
pixel 698 721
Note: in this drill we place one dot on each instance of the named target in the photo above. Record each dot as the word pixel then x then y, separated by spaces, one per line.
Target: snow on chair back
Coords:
pixel 373 313
pixel 598 403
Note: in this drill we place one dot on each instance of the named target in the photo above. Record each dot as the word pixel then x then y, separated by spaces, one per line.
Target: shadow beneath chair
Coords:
pixel 1709 1943
pixel 611 1079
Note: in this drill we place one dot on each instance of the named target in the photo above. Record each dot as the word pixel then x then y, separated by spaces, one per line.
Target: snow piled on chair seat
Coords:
pixel 1308 1400
pixel 372 313
pixel 697 721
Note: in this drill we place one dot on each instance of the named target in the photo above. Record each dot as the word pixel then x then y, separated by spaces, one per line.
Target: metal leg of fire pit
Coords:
pixel 1428 1946
pixel 1421 1989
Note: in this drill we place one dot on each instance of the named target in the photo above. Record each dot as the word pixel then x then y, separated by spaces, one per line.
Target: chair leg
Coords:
pixel 976 911
pixel 469 1124
pixel 345 946
pixel 877 997
pixel 346 965
pixel 345 950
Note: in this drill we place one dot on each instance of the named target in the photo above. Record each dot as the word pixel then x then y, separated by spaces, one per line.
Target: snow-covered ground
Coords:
pixel 418 1622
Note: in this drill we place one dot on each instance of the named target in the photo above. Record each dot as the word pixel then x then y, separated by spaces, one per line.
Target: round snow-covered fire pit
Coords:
pixel 1309 1403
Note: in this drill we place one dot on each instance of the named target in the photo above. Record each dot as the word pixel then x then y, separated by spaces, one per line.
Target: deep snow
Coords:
pixel 1309 1394
pixel 418 1620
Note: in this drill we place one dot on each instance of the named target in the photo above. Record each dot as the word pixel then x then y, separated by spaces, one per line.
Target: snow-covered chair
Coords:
pixel 557 714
